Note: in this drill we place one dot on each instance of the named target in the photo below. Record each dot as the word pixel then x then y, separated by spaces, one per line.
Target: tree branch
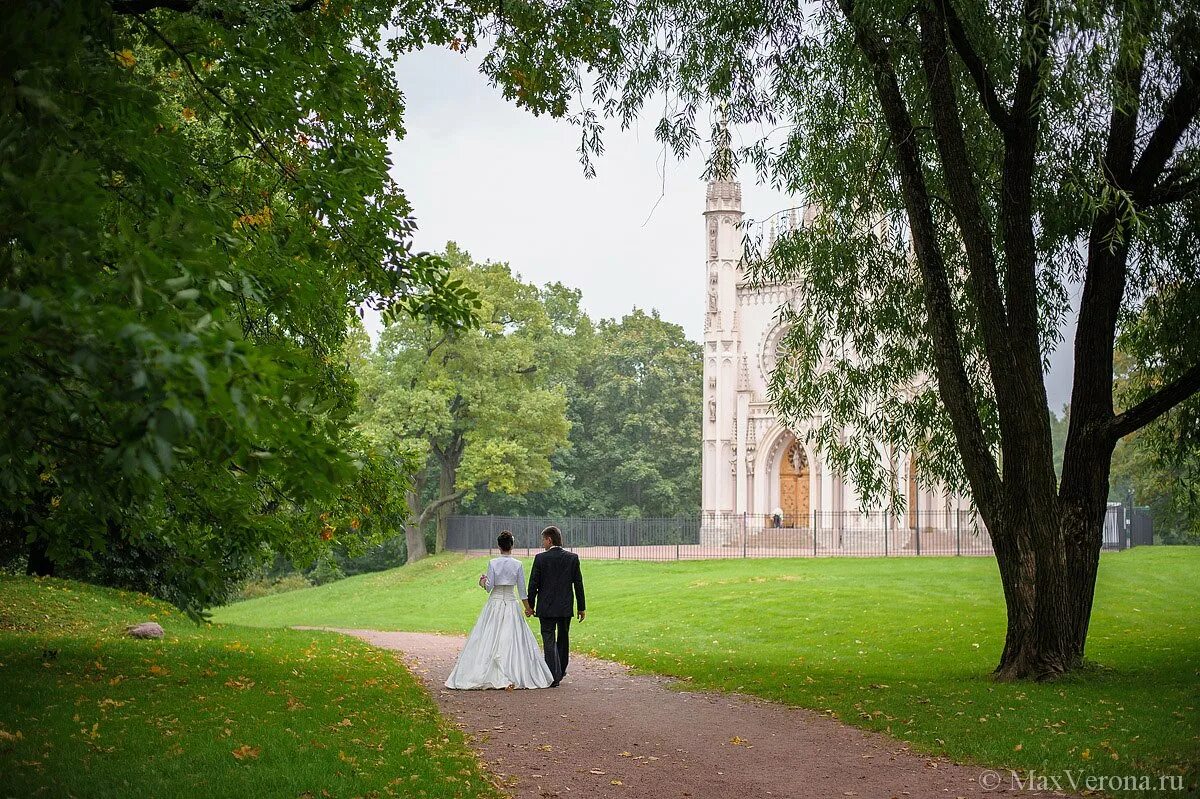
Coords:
pixel 1172 190
pixel 1178 113
pixel 439 502
pixel 1156 404
pixel 965 205
pixel 1035 35
pixel 954 387
pixel 1107 264
pixel 975 67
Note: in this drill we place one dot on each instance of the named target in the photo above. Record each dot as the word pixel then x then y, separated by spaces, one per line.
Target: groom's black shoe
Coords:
pixel 555 684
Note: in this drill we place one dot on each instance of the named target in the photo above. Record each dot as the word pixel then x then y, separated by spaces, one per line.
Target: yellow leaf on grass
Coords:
pixel 737 740
pixel 246 751
pixel 125 58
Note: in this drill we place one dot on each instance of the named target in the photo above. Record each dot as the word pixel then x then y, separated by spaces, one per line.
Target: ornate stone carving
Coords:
pixel 768 353
pixel 743 375
pixel 712 238
pixel 712 410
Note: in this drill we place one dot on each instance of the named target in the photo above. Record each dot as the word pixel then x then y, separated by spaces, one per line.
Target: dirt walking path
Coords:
pixel 607 733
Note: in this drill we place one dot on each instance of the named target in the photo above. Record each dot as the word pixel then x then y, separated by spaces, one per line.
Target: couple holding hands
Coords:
pixel 501 651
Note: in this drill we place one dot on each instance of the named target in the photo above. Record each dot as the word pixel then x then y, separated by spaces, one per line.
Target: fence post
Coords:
pixel 958 532
pixel 620 536
pixel 887 523
pixel 814 531
pixel 745 534
pixel 918 531
pixel 679 534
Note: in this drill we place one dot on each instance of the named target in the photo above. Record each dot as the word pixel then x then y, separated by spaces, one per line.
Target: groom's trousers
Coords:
pixel 555 638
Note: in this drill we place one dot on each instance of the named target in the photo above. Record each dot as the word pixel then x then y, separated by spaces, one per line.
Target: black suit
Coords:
pixel 554 578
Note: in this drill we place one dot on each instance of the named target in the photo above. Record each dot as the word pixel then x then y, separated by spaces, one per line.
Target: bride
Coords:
pixel 501 651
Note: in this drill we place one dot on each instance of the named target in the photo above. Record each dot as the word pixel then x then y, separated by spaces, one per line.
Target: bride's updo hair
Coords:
pixel 505 541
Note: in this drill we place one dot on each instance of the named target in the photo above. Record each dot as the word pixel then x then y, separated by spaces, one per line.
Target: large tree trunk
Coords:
pixel 1084 502
pixel 414 529
pixel 1049 586
pixel 447 473
pixel 39 564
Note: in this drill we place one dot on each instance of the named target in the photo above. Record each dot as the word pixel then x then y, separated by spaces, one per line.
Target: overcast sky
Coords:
pixel 508 186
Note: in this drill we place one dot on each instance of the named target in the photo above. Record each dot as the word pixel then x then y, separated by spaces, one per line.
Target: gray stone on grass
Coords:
pixel 147 629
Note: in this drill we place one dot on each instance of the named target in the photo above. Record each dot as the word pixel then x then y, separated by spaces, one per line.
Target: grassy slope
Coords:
pixel 902 645
pixel 310 714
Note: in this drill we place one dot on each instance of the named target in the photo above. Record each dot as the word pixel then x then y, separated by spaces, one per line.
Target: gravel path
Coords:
pixel 607 733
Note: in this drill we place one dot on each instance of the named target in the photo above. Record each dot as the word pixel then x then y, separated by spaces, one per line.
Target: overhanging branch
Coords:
pixel 1156 404
pixel 1178 114
pixel 439 502
pixel 975 67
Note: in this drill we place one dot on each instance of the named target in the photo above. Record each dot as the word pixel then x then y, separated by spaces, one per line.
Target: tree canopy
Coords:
pixel 478 405
pixel 196 197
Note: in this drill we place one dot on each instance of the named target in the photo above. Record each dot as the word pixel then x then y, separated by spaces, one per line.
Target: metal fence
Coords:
pixel 743 535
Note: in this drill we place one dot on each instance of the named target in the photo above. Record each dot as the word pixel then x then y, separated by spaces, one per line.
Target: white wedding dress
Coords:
pixel 501 651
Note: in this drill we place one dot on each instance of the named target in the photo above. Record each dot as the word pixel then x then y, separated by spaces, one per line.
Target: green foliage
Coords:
pixel 633 400
pixel 896 645
pixel 479 406
pixel 183 244
pixel 637 408
pixel 208 711
pixel 196 198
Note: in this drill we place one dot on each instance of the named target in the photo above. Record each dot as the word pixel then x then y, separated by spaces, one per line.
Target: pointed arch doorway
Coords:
pixel 794 486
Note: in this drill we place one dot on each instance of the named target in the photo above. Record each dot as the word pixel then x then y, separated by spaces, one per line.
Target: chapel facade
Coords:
pixel 753 464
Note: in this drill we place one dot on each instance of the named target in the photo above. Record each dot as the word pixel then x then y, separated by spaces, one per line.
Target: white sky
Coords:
pixel 508 186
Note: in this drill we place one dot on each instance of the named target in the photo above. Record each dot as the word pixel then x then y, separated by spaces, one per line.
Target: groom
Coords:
pixel 554 574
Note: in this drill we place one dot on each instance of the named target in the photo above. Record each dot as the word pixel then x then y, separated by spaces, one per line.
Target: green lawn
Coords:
pixel 902 645
pixel 207 712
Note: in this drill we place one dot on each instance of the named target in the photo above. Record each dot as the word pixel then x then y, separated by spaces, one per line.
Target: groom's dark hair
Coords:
pixel 554 534
pixel 505 540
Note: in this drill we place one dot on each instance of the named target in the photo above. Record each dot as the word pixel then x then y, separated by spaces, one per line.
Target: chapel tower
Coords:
pixel 723 411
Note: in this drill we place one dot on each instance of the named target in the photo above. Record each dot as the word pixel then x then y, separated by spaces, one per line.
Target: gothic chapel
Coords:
pixel 752 464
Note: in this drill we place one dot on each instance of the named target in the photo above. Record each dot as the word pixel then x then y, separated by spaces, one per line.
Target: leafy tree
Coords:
pixel 633 403
pixel 196 196
pixel 478 405
pixel 637 411
pixel 969 161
